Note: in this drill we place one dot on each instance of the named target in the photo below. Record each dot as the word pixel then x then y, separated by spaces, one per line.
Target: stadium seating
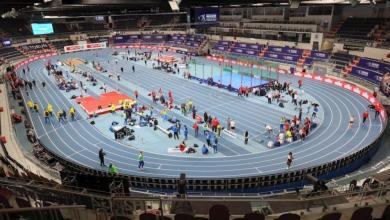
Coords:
pixel 98 39
pixel 187 41
pixel 60 28
pixel 341 60
pixel 10 53
pixel 59 45
pixel 37 48
pixel 359 28
pixel 14 27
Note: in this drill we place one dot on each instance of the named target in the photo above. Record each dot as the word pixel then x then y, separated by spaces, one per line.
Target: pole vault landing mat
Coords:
pixel 103 103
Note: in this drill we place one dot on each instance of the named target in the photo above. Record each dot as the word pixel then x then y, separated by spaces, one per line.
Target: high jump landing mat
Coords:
pixel 103 103
pixel 167 59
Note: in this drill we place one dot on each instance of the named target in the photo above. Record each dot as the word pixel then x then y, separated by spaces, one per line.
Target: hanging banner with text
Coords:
pixel 81 47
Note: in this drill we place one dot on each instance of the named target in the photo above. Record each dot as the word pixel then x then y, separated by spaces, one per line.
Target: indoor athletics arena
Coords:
pixel 194 110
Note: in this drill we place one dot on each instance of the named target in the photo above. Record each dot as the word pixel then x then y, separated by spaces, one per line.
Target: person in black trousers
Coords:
pixel 246 137
pixel 101 157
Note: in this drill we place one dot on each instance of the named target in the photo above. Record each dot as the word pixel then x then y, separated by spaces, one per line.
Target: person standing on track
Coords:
pixel 141 160
pixel 290 159
pixel 36 107
pixel 72 113
pixel 377 110
pixel 50 109
pixel 205 117
pixel 365 116
pixel 215 145
pixel 136 94
pixel 300 82
pixel 153 93
pixel 196 129
pixel 232 125
pixel 101 157
pixel 185 132
pixel 193 112
pixel 104 88
pixel 47 117
pixel 351 121
pixel 246 137
pixel 175 131
pixel 133 68
pixel 208 138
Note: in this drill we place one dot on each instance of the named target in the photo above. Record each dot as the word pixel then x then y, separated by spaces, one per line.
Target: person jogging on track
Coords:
pixel 290 159
pixel 246 137
pixel 365 116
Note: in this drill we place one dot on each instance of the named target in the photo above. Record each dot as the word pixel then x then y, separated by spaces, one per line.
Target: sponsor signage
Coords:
pixel 80 47
pixel 319 55
pixel 374 65
pixel 369 75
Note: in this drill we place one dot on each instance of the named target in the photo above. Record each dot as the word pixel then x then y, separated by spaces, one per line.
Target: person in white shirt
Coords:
pixel 232 125
pixel 268 128
pixel 351 121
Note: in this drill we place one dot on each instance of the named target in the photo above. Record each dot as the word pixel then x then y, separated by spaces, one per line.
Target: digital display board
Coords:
pixel 6 42
pixel 42 28
pixel 206 15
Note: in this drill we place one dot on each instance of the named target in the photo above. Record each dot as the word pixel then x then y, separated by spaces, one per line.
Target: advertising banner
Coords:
pixel 281 57
pixel 91 46
pixel 245 51
pixel 123 39
pixel 374 65
pixel 369 75
pixel 319 55
pixel 288 50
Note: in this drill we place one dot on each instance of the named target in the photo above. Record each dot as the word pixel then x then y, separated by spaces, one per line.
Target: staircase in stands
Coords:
pixel 302 60
pixel 348 68
pixel 332 33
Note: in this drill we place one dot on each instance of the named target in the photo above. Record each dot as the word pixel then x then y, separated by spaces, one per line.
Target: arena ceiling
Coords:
pixel 78 7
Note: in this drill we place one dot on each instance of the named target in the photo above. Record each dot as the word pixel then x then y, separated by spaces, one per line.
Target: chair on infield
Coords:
pixel 362 214
pixel 289 216
pixel 148 216
pixel 385 214
pixel 183 216
pixel 219 212
pixel 119 218
pixel 331 216
pixel 254 216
